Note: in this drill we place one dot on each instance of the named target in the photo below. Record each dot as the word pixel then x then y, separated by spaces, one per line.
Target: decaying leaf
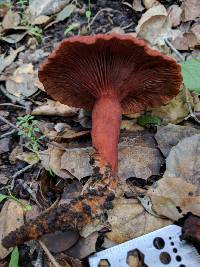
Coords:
pixel 155 25
pixel 196 30
pixel 51 161
pixel 6 61
pixel 84 247
pixel 22 82
pixel 184 161
pixel 137 158
pixel 174 197
pixel 54 108
pixel 185 42
pixel 134 219
pixel 9 223
pixel 29 157
pixel 59 131
pixel 14 37
pixel 60 241
pixel 11 20
pixel 40 20
pixel 175 15
pixel 137 5
pixel 168 136
pixel 47 7
pixel 191 9
pixel 174 112
pixel 149 3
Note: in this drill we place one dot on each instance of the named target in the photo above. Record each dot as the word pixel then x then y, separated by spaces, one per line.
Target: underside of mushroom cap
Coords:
pixel 83 68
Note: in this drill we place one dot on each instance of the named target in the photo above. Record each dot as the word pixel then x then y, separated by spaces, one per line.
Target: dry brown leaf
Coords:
pixel 155 25
pixel 185 42
pixel 29 157
pixel 134 219
pixel 59 131
pixel 51 160
pixel 184 161
pixel 6 61
pixel 22 82
pixel 9 223
pixel 174 112
pixel 60 241
pixel 11 20
pixel 40 20
pixel 84 247
pixel 168 136
pixel 149 3
pixel 175 15
pixel 54 108
pixel 137 5
pixel 14 37
pixel 196 30
pixel 191 9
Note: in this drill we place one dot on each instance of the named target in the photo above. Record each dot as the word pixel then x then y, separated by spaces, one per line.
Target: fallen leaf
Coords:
pixel 185 42
pixel 196 31
pixel 135 220
pixel 11 20
pixel 14 37
pixel 174 112
pixel 54 108
pixel 41 20
pixel 155 25
pixel 65 13
pixel 184 161
pixel 71 191
pixel 51 161
pixel 29 157
pixel 137 5
pixel 47 7
pixel 191 9
pixel 84 247
pixel 174 197
pixel 3 178
pixel 60 241
pixel 175 12
pixel 9 223
pixel 22 82
pixel 6 61
pixel 168 136
pixel 149 3
pixel 191 74
pixel 3 9
pixel 60 131
pixel 5 144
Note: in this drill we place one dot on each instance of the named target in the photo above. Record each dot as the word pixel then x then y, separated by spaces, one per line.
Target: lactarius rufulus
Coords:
pixel 110 75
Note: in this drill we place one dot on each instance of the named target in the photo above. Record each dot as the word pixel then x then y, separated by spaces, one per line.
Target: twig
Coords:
pixel 7 134
pixel 9 123
pixel 98 13
pixel 30 191
pixel 49 255
pixel 13 105
pixel 127 26
pixel 174 49
pixel 19 173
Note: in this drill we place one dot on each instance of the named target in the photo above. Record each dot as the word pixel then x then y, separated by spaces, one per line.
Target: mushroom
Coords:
pixel 110 75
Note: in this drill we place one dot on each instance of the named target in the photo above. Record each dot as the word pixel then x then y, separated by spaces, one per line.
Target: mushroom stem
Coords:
pixel 106 120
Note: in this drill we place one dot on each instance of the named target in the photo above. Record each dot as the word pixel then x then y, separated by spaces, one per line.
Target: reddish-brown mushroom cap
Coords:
pixel 110 74
pixel 83 68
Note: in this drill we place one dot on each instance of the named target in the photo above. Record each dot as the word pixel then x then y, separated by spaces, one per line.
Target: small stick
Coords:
pixel 49 255
pixel 9 123
pixel 13 105
pixel 174 49
pixel 20 172
pixel 7 134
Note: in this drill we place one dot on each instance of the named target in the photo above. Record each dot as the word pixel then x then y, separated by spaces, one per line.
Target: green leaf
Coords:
pixel 191 74
pixel 2 197
pixel 146 120
pixel 65 13
pixel 14 259
pixel 88 14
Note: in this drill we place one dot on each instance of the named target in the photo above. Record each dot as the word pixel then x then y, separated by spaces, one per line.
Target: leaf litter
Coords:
pixel 164 194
